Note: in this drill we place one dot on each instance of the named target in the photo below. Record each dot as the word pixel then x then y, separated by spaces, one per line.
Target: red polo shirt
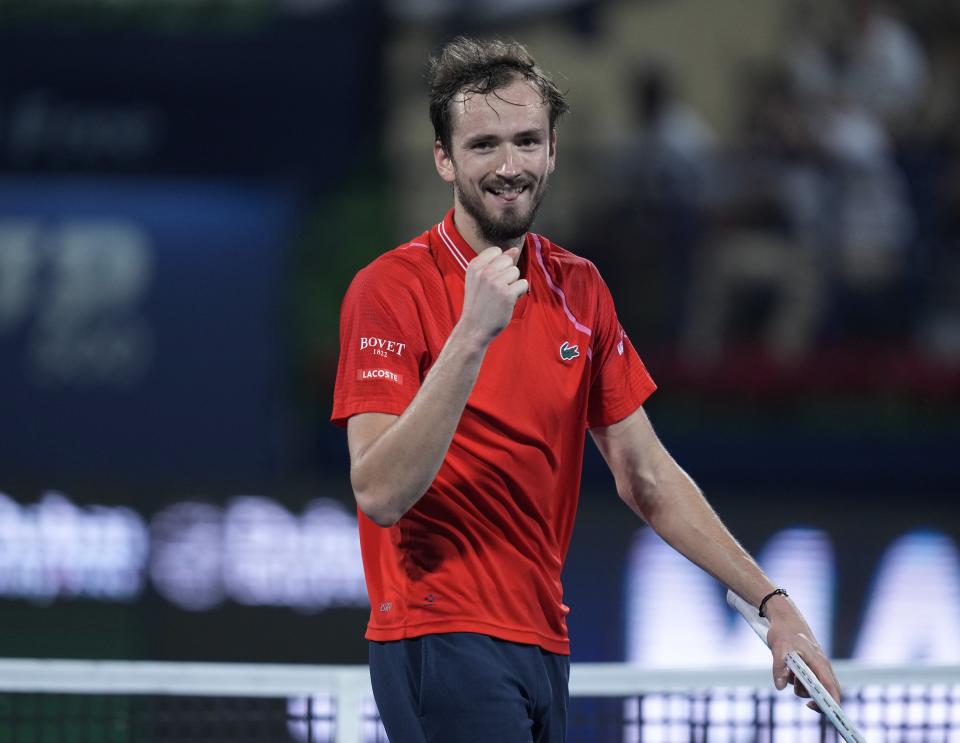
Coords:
pixel 483 549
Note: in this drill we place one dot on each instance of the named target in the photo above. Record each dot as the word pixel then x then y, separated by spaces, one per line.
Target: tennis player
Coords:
pixel 472 359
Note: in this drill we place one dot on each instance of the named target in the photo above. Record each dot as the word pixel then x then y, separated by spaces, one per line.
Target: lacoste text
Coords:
pixel 379 374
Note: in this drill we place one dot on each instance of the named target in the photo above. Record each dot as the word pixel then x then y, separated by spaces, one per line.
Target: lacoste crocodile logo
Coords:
pixel 568 352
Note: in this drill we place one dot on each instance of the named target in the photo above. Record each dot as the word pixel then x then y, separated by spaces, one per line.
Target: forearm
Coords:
pixel 680 514
pixel 656 488
pixel 394 471
pixel 677 510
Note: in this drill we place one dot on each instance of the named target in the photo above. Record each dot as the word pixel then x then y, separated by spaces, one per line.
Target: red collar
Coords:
pixel 450 249
pixel 452 252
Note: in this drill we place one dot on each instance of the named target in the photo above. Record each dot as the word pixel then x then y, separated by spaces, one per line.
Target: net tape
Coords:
pixel 127 701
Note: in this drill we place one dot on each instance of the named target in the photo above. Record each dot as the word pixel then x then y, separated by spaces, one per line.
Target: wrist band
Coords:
pixel 777 592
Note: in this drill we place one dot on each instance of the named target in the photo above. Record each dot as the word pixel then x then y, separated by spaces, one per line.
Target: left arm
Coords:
pixel 654 486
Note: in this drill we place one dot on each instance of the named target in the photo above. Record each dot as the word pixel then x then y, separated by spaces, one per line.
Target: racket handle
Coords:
pixel 749 612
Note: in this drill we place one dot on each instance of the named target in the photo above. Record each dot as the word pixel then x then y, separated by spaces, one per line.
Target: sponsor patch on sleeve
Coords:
pixel 381 346
pixel 390 376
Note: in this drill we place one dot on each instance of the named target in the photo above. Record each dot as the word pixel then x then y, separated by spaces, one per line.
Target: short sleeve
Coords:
pixel 619 381
pixel 381 345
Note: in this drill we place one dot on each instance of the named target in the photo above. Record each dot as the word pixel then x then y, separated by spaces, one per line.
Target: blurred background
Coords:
pixel 771 188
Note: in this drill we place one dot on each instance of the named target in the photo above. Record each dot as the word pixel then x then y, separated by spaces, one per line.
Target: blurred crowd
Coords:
pixel 830 219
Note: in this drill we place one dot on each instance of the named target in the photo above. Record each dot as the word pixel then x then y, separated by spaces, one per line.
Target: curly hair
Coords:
pixel 470 66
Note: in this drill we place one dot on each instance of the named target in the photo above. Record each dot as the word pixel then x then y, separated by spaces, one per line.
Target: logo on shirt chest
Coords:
pixel 382 346
pixel 568 352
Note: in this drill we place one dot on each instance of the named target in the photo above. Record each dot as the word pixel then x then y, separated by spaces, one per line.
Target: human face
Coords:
pixel 501 154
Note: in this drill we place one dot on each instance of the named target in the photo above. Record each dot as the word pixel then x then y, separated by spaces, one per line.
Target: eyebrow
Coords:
pixel 538 132
pixel 477 138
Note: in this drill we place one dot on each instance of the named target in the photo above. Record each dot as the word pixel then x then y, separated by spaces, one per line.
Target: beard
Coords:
pixel 511 224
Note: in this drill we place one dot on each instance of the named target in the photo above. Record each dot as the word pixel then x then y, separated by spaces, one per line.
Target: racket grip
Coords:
pixel 749 612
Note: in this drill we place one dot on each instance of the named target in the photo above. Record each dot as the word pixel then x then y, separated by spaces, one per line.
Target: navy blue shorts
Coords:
pixel 468 688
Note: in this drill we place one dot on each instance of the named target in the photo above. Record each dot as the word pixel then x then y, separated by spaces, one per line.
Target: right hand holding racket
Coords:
pixel 792 638
pixel 789 631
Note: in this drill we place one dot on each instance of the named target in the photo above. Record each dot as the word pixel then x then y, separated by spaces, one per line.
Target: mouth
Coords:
pixel 507 194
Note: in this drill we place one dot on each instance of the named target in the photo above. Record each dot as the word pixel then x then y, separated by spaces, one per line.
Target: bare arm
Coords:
pixel 651 483
pixel 393 459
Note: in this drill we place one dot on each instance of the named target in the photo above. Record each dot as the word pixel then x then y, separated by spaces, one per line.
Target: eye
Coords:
pixel 482 146
pixel 529 142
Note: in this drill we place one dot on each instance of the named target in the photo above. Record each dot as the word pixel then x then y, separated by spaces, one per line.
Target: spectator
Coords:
pixel 759 272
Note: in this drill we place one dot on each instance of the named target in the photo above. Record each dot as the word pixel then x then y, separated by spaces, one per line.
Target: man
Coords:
pixel 472 359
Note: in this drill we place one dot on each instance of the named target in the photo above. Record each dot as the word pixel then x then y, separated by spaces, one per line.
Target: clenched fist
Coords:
pixel 493 288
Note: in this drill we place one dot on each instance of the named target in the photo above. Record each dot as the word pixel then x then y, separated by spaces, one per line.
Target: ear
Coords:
pixel 443 161
pixel 552 157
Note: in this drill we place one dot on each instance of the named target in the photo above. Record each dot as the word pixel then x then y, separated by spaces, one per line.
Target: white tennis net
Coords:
pixel 107 701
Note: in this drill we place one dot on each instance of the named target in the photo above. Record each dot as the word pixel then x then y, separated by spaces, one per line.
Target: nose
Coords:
pixel 508 168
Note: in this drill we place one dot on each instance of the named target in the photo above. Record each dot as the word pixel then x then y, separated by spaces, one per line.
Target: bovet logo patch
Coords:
pixel 379 374
pixel 381 346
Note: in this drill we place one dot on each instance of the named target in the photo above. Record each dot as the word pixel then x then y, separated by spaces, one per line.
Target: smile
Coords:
pixel 508 193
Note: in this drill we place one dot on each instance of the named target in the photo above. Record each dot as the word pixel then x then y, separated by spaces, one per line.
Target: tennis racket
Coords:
pixel 801 670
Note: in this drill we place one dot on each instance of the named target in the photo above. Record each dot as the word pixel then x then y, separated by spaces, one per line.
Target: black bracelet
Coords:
pixel 777 592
